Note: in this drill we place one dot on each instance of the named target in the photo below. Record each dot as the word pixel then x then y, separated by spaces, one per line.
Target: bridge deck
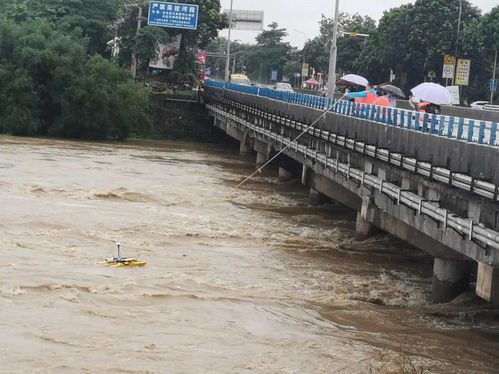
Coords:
pixel 458 128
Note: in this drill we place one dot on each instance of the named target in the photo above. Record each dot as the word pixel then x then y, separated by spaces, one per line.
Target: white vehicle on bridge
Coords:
pixel 284 87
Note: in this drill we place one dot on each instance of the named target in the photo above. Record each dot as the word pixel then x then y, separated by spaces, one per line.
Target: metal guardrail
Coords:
pixel 459 128
pixel 420 205
pixel 440 174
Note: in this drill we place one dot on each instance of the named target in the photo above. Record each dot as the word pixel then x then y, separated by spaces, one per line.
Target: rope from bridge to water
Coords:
pixel 259 170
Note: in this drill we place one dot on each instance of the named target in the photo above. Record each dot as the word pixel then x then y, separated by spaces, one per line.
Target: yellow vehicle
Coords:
pixel 240 79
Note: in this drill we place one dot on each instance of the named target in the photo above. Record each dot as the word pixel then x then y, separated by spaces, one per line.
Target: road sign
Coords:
pixel 449 60
pixel 448 69
pixel 304 70
pixel 175 15
pixel 462 72
pixel 454 94
pixel 246 19
pixel 273 76
pixel 493 85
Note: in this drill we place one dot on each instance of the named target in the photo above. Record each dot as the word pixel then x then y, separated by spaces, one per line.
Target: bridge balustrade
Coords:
pixel 459 128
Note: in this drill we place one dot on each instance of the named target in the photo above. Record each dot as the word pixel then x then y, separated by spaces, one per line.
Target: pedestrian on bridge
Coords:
pixel 369 96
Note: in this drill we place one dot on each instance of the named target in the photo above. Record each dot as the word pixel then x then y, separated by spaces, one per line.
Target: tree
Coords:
pixel 50 86
pixel 317 50
pixel 270 53
pixel 412 39
pixel 92 17
pixel 480 42
pixel 210 20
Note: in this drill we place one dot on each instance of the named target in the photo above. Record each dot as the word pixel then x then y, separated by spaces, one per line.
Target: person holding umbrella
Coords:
pixel 389 93
pixel 369 96
pixel 432 96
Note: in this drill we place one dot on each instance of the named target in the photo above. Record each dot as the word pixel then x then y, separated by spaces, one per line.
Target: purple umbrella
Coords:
pixel 433 93
pixel 352 79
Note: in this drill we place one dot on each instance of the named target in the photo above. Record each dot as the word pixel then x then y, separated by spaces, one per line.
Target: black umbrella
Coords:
pixel 394 90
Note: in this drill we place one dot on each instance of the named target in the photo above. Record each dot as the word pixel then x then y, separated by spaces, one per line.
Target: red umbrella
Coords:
pixel 312 82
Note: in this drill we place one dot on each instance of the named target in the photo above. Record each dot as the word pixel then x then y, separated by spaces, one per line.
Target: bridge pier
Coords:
pixel 244 149
pixel 261 158
pixel 487 283
pixel 316 198
pixel 450 278
pixel 363 228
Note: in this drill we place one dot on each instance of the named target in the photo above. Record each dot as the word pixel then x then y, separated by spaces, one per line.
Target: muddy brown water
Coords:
pixel 252 280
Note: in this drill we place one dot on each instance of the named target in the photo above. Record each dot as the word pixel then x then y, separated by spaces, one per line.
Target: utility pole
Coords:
pixel 227 61
pixel 493 79
pixel 457 39
pixel 303 56
pixel 134 57
pixel 331 81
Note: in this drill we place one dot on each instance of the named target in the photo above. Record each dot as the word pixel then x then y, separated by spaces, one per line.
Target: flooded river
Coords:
pixel 238 281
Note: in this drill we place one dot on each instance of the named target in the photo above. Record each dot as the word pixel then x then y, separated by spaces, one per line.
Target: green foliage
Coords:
pixel 103 103
pixel 414 38
pixel 480 41
pixel 270 53
pixel 316 51
pixel 50 86
pixel 210 20
pixel 91 17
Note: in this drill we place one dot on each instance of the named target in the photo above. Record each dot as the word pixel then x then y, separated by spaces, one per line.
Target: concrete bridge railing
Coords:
pixel 459 128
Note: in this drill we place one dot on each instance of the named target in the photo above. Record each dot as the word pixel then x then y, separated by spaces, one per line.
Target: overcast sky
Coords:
pixel 301 17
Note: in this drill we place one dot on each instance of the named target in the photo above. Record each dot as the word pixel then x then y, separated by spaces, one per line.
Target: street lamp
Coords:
pixel 331 82
pixel 457 39
pixel 227 61
pixel 493 79
pixel 303 56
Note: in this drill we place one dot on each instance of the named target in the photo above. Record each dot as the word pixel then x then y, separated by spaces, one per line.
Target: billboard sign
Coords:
pixel 175 15
pixel 165 55
pixel 246 19
pixel 202 58
pixel 463 69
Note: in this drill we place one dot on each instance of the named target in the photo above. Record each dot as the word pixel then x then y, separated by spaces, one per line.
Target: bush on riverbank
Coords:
pixel 50 86
pixel 177 120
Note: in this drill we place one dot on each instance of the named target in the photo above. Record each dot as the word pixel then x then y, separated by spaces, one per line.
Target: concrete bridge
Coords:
pixel 430 180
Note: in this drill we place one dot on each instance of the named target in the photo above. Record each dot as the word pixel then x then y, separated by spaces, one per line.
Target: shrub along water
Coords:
pixel 49 85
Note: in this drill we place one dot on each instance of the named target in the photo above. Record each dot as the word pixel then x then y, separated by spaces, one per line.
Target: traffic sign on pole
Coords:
pixel 175 15
pixel 448 69
pixel 493 85
pixel 462 72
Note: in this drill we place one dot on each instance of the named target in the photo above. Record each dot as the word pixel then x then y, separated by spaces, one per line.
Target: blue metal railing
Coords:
pixel 482 132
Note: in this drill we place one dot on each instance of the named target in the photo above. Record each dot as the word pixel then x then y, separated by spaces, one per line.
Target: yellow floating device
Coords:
pixel 122 261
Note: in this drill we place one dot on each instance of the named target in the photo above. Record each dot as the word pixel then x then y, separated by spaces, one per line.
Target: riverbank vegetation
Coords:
pixel 57 76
